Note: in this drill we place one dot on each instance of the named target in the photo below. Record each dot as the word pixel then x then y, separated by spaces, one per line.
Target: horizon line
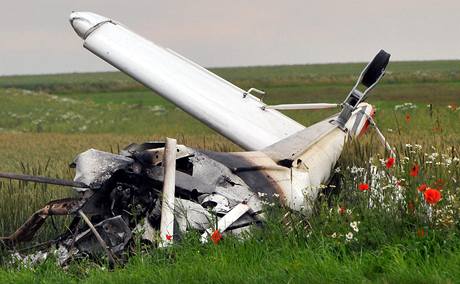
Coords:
pixel 231 67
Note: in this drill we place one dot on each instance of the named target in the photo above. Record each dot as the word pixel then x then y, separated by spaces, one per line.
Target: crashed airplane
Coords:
pixel 160 190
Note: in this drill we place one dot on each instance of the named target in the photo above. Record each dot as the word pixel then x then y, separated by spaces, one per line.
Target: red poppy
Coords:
pixel 407 117
pixel 390 162
pixel 342 210
pixel 168 237
pixel 363 186
pixel 414 170
pixel 432 196
pixel 422 187
pixel 216 237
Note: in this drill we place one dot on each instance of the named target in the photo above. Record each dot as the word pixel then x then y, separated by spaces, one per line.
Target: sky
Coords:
pixel 36 36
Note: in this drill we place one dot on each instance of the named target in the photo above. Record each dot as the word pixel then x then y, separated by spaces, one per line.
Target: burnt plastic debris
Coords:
pixel 121 195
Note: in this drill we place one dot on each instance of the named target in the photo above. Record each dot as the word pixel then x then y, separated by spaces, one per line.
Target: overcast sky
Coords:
pixel 36 36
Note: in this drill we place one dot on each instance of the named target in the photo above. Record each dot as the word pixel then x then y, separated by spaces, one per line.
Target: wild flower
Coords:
pixel 354 226
pixel 414 170
pixel 407 118
pixel 422 187
pixel 355 170
pixel 390 162
pixel 261 194
pixel 269 204
pixel 432 196
pixel 453 107
pixel 216 237
pixel 447 162
pixel 405 106
pixel 363 186
pixel 404 160
pixel 349 236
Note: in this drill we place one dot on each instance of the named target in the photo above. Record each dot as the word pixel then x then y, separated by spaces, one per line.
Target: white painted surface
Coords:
pixel 212 100
pixel 167 204
pixel 226 221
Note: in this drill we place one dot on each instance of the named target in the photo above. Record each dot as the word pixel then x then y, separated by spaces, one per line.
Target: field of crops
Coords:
pixel 386 233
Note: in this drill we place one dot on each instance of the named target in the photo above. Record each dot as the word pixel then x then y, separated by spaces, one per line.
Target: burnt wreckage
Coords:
pixel 161 190
pixel 120 192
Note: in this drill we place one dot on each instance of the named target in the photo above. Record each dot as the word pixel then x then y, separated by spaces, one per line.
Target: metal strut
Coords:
pixel 41 179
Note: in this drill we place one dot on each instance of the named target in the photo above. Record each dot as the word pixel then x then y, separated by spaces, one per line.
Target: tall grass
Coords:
pixel 397 236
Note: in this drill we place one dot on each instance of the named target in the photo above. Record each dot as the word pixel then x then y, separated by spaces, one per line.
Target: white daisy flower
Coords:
pixel 349 236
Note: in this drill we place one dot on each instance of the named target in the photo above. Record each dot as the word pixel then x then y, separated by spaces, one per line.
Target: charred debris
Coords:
pixel 121 195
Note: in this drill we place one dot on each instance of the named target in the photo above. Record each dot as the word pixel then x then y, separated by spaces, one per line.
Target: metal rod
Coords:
pixel 382 138
pixel 169 184
pixel 98 237
pixel 303 106
pixel 41 179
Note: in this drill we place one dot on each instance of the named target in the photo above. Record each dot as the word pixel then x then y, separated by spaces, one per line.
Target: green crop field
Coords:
pixel 385 234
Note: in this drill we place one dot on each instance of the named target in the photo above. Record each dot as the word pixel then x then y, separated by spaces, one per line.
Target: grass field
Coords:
pixel 46 120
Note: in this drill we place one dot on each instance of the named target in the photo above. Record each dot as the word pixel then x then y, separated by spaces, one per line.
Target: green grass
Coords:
pixel 266 257
pixel 130 97
pixel 260 76
pixel 46 120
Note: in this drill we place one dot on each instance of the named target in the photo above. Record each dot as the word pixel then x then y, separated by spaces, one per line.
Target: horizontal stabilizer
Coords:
pixel 303 106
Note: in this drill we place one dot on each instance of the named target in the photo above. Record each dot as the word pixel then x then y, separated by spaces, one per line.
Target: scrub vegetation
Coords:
pixel 385 221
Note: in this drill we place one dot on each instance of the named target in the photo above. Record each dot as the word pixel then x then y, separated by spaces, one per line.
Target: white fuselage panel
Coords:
pixel 214 101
